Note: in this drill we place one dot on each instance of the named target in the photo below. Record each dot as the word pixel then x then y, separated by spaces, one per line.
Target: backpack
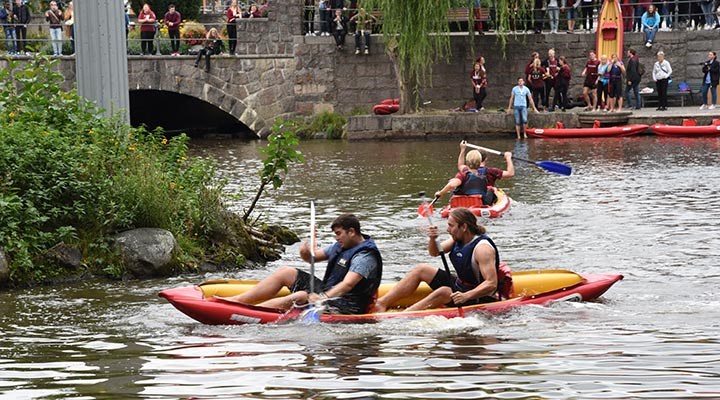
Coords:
pixel 641 69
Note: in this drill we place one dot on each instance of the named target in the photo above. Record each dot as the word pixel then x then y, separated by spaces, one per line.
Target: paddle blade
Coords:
pixel 555 167
pixel 425 209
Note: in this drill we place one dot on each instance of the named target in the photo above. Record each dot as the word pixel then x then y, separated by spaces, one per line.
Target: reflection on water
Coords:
pixel 645 207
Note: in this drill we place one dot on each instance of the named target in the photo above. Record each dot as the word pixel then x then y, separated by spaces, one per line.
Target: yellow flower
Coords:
pixel 164 141
pixel 132 148
pixel 12 114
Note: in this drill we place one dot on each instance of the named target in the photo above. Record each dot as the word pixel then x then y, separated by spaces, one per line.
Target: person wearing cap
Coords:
pixel 473 177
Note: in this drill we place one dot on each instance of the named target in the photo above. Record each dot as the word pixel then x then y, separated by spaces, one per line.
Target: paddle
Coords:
pixel 550 166
pixel 442 253
pixel 312 314
pixel 426 209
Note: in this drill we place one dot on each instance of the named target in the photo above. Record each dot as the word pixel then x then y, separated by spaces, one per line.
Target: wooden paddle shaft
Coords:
pixel 491 151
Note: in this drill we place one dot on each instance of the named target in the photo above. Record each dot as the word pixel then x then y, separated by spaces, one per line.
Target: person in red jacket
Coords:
pixel 562 82
pixel 233 14
pixel 478 78
pixel 172 20
pixel 146 19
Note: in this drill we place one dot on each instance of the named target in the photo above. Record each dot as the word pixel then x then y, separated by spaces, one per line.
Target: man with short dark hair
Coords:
pixel 633 78
pixel 351 279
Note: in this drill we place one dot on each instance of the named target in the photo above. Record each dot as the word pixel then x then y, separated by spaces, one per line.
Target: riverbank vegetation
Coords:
pixel 70 175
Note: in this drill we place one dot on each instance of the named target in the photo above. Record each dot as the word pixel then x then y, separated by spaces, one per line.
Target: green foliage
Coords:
pixel 279 153
pixel 331 124
pixel 189 9
pixel 67 173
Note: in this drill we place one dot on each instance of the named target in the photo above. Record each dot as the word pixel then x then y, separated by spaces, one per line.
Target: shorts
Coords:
pixel 615 88
pixel 521 115
pixel 442 278
pixel 571 13
pixel 343 305
pixel 590 84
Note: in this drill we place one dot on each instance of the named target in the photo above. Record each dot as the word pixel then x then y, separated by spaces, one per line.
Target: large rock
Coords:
pixel 4 269
pixel 147 252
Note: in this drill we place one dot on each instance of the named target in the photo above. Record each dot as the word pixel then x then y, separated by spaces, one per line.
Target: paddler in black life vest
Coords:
pixel 474 257
pixel 474 177
pixel 351 279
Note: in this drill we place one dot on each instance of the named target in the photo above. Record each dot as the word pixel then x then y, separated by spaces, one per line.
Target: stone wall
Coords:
pixel 326 79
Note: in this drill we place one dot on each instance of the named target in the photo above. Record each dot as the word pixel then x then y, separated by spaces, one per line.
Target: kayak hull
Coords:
pixel 610 131
pixel 686 131
pixel 609 36
pixel 474 203
pixel 541 287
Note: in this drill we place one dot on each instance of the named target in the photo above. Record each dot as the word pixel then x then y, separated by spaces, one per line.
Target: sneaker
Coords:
pixel 711 107
pixel 367 51
pixel 357 51
pixel 648 45
pixel 702 107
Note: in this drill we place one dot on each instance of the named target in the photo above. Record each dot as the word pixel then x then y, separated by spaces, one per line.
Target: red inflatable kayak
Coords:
pixel 610 131
pixel 687 129
pixel 474 203
pixel 205 302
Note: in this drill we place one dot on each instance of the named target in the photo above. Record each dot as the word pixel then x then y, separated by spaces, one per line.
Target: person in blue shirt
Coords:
pixel 518 105
pixel 650 23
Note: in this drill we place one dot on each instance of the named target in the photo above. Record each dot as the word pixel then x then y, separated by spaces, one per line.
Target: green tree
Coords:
pixel 416 34
pixel 279 154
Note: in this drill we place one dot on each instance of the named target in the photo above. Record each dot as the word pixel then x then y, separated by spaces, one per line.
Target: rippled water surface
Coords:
pixel 646 207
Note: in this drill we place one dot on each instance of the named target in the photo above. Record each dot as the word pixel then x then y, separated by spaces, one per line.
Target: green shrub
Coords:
pixel 69 174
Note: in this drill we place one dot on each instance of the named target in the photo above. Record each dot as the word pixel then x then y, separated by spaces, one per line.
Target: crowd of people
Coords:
pixel 15 18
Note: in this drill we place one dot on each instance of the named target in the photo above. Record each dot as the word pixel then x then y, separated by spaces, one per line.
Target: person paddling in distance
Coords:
pixel 351 279
pixel 474 177
pixel 474 257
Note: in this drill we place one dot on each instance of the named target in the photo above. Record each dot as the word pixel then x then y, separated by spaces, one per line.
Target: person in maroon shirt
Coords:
pixel 551 69
pixel 562 83
pixel 589 85
pixel 172 20
pixel 146 19
pixel 478 78
pixel 234 13
pixel 536 82
pixel 474 164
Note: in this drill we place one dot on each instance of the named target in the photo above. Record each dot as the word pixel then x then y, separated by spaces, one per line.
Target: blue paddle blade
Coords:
pixel 311 315
pixel 554 166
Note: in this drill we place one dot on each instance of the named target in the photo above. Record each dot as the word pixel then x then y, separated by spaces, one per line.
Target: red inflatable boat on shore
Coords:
pixel 206 302
pixel 689 128
pixel 387 106
pixel 610 131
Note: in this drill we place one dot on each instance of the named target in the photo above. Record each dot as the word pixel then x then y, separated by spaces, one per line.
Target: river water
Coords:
pixel 645 207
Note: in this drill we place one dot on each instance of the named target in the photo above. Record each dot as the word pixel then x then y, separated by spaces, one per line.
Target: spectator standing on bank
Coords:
pixel 650 25
pixel 325 18
pixel 254 12
pixel 363 28
pixel 533 56
pixel 70 25
pixel 55 18
pixel 147 20
pixel 538 16
pixel 603 82
pixel 21 16
pixel 562 83
pixel 551 69
pixel 6 19
pixel 536 82
pixel 570 8
pixel 590 72
pixel 309 17
pixel 587 8
pixel 213 45
pixel 478 78
pixel 708 9
pixel 661 75
pixel 633 78
pixel 615 72
pixel 339 29
pixel 553 12
pixel 172 20
pixel 232 15
pixel 627 10
pixel 519 98
pixel 711 76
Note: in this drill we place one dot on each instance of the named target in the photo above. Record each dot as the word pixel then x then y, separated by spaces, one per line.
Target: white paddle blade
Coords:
pixel 312 229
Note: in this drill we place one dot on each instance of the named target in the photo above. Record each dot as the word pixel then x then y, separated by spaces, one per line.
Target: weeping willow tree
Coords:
pixel 416 35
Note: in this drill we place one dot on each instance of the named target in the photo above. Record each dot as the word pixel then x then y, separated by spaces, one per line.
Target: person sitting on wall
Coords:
pixel 363 27
pixel 473 177
pixel 339 29
pixel 650 24
pixel 213 45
